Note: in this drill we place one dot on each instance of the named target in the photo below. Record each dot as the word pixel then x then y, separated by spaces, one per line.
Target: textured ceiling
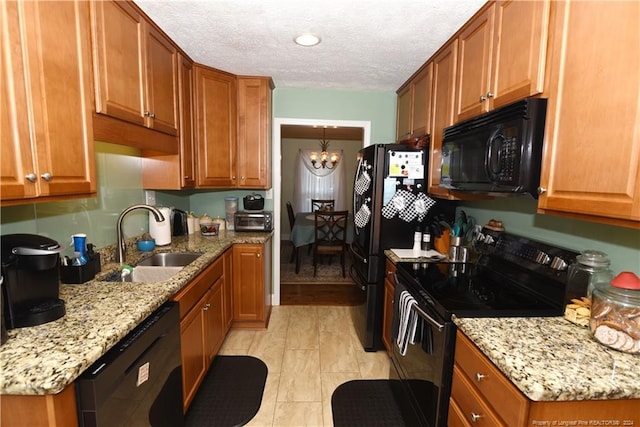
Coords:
pixel 373 45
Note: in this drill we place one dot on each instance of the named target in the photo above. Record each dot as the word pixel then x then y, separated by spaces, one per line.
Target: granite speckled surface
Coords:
pixel 550 358
pixel 44 359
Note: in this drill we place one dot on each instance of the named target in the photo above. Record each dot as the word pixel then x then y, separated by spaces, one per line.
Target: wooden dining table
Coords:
pixel 303 232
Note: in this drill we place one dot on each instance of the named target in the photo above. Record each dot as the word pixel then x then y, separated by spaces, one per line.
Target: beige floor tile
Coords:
pixel 374 365
pixel 298 414
pixel 264 417
pixel 337 353
pixel 269 348
pixel 238 340
pixel 302 332
pixel 330 381
pixel 300 378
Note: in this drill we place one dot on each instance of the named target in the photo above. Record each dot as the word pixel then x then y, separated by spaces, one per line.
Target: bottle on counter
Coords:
pixel 426 241
pixel 417 243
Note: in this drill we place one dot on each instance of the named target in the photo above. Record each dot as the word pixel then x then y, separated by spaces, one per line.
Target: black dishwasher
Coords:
pixel 139 381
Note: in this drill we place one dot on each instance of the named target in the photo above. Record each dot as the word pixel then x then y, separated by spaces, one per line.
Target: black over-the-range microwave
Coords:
pixel 499 152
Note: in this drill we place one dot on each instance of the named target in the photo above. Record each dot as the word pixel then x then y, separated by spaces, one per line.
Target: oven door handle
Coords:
pixel 433 322
pixel 357 255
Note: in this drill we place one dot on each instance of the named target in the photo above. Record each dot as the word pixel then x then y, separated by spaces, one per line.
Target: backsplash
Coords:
pixel 519 217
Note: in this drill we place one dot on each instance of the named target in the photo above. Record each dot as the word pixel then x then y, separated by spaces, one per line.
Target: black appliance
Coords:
pixel 253 221
pixel 513 277
pixel 139 381
pixel 389 203
pixel 253 203
pixel 498 152
pixel 179 223
pixel 31 272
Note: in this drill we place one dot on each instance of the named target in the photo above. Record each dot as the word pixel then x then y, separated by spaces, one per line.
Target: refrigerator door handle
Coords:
pixel 357 255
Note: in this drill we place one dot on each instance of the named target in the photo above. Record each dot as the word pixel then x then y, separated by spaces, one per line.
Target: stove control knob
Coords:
pixel 558 263
pixel 542 258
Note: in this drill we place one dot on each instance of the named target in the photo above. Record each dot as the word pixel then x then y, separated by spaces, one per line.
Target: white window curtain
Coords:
pixel 310 183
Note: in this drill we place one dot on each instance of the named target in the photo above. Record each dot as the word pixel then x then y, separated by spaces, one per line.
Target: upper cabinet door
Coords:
pixel 254 132
pixel 519 51
pixel 502 56
pixel 474 65
pixel 216 127
pixel 444 83
pixel 421 110
pixel 17 161
pixel 403 118
pixel 118 38
pixel 591 162
pixel 162 82
pixel 187 149
pixel 55 157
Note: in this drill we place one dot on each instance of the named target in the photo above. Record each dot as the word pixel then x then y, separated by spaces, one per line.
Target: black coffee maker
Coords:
pixel 31 272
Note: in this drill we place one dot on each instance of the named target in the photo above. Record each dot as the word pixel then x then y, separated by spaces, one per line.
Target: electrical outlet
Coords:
pixel 268 194
pixel 150 197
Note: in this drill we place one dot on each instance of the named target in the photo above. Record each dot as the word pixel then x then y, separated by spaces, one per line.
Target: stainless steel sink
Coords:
pixel 170 259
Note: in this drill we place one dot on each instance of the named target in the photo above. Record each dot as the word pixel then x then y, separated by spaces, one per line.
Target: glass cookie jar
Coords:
pixel 615 313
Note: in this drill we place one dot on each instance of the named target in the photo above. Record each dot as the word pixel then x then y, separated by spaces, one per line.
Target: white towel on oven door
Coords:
pixel 408 322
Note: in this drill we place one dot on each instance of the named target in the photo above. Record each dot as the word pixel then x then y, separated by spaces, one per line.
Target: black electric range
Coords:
pixel 513 276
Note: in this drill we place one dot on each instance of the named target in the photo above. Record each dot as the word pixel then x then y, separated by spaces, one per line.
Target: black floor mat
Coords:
pixel 230 394
pixel 371 403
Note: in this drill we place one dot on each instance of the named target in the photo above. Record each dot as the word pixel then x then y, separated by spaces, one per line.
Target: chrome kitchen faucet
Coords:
pixel 121 246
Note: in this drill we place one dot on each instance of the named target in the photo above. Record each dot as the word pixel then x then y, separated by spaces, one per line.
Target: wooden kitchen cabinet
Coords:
pixel 216 127
pixel 414 105
pixel 254 132
pixel 387 315
pixel 444 75
pixel 591 165
pixel 164 171
pixel 202 326
pixel 252 285
pixel 136 67
pixel 502 56
pixel 47 134
pixel 228 288
pixel 482 395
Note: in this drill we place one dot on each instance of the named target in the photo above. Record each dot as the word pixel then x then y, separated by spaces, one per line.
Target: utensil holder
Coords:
pixel 75 274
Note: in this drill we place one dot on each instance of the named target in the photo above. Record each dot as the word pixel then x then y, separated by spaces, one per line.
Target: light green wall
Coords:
pixel 330 104
pixel 519 217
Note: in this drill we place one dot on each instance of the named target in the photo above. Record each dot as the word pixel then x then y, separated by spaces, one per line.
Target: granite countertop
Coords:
pixel 44 359
pixel 550 358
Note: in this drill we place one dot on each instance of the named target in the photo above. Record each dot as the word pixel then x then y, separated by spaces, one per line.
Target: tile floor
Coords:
pixel 309 351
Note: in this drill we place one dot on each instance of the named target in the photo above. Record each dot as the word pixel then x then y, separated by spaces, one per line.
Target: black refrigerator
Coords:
pixel 390 204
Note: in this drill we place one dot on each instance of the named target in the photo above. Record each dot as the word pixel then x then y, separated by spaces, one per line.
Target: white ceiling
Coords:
pixel 373 45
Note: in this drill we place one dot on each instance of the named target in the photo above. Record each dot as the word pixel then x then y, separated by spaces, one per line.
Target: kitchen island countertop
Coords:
pixel 551 359
pixel 44 359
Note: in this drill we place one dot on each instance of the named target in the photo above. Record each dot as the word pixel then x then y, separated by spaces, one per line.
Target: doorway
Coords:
pixel 279 212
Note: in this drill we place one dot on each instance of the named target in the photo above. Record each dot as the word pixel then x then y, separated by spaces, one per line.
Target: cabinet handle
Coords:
pixel 475 417
pixel 31 177
pixel 46 176
pixel 490 94
pixel 186 177
pixel 483 98
pixel 150 114
pixel 542 190
pixel 206 307
pixel 258 255
pixel 479 376
pixel 233 177
pixel 242 178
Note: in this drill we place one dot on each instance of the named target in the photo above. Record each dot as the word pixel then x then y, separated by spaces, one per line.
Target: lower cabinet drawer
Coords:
pixel 474 410
pixel 490 382
pixel 456 417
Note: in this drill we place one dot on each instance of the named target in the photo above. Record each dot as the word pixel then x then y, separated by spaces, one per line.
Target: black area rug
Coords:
pixel 230 394
pixel 371 403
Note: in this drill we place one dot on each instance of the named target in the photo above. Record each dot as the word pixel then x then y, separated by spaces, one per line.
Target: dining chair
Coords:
pixel 292 221
pixel 330 237
pixel 322 204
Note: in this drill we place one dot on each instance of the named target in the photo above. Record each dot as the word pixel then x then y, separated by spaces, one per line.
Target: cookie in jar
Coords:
pixel 615 313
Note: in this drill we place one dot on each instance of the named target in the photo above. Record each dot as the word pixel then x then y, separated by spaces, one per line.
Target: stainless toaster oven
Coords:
pixel 254 221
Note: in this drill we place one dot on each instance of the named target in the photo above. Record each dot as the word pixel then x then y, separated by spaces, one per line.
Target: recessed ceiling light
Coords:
pixel 307 39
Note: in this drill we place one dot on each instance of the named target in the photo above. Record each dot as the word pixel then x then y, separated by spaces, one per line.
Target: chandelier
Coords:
pixel 326 160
